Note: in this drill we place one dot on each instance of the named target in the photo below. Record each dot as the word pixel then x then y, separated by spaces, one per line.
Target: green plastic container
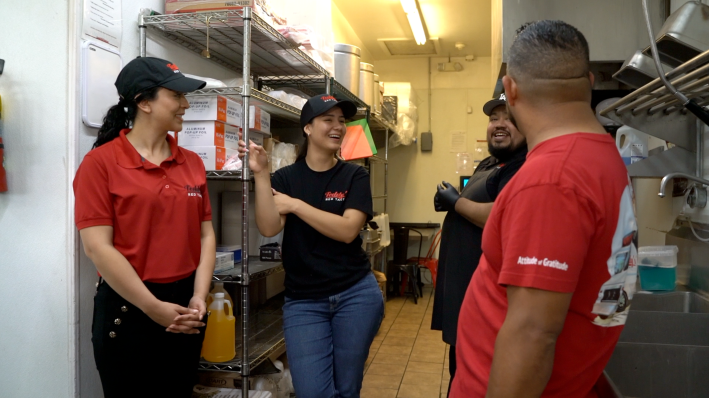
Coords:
pixel 657 267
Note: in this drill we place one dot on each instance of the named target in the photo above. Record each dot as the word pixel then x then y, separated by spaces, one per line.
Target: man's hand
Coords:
pixel 446 197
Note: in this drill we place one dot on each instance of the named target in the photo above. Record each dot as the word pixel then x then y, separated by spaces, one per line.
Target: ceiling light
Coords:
pixel 412 13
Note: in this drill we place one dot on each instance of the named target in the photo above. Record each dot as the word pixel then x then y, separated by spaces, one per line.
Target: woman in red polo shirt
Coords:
pixel 143 212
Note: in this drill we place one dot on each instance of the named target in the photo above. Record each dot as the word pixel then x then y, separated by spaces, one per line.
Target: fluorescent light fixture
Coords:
pixel 412 13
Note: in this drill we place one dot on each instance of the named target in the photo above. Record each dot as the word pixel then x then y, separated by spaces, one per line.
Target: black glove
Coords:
pixel 446 197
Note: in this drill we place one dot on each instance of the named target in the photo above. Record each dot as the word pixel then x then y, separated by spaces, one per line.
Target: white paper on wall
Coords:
pixel 459 142
pixel 103 21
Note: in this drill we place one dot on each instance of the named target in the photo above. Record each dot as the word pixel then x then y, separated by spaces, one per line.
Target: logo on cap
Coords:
pixel 503 97
pixel 329 98
pixel 174 68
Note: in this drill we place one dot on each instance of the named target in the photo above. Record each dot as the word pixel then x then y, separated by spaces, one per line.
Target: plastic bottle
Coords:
pixel 632 144
pixel 219 339
pixel 219 288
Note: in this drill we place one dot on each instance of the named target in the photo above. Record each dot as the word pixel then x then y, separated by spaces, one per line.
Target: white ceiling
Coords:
pixel 466 21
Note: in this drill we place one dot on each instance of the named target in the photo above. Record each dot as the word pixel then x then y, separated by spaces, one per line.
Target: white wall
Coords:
pixel 413 174
pixel 36 290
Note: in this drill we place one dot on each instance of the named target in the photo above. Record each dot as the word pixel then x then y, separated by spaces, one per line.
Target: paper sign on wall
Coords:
pixel 459 142
pixel 103 21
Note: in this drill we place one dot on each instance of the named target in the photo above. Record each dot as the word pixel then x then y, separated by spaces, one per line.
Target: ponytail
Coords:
pixel 303 151
pixel 121 116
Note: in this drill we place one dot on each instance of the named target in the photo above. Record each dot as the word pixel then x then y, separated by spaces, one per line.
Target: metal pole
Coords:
pixel 141 30
pixel 245 177
pixel 700 149
pixel 386 191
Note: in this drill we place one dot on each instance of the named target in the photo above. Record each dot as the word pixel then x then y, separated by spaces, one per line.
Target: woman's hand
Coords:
pixel 176 318
pixel 284 203
pixel 188 323
pixel 258 158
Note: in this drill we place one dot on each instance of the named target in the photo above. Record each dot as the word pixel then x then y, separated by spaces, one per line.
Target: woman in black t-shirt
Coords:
pixel 333 304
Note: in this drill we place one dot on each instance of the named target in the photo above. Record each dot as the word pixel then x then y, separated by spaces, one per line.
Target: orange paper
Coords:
pixel 355 144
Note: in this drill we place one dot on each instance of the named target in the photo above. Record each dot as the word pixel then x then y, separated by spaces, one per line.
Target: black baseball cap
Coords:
pixel 322 103
pixel 494 103
pixel 144 73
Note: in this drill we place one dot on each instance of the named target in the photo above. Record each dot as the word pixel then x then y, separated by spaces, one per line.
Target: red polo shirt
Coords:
pixel 156 211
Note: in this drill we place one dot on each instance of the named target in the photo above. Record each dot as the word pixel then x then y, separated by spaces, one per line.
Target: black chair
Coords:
pixel 401 264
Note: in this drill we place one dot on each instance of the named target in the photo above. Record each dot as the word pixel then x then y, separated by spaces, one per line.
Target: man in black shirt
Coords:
pixel 467 213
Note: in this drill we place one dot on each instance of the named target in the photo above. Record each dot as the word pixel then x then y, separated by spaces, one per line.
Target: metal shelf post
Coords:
pixel 245 176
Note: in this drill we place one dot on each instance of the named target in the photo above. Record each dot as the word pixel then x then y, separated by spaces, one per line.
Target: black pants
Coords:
pixel 451 366
pixel 135 356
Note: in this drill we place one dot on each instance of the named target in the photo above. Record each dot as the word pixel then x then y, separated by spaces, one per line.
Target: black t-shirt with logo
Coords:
pixel 317 266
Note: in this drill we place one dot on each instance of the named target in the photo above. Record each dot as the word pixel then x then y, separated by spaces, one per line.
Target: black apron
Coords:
pixel 461 243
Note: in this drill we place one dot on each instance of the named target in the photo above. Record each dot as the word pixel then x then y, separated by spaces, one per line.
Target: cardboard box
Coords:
pixel 209 133
pixel 213 157
pixel 214 107
pixel 180 6
pixel 257 137
pixel 225 261
pixel 236 249
pixel 259 120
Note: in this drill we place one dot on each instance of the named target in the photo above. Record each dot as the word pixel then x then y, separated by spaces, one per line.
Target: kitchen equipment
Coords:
pixel 657 266
pixel 377 106
pixel 638 70
pixel 684 35
pixel 347 59
pixel 366 83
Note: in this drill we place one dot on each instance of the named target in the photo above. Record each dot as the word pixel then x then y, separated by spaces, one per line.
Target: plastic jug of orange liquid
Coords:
pixel 219 288
pixel 219 339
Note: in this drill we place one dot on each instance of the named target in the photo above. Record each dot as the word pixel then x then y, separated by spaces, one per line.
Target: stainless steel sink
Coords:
pixel 664 348
pixel 685 302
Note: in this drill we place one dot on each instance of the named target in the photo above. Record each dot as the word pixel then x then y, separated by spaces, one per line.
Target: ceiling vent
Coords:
pixel 409 48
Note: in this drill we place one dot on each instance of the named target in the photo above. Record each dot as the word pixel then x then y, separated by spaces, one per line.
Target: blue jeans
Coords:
pixel 328 340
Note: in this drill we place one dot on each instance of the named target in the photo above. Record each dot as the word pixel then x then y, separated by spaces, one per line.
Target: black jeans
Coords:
pixel 135 356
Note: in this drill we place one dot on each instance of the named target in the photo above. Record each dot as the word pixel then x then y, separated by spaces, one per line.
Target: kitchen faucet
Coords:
pixel 697 194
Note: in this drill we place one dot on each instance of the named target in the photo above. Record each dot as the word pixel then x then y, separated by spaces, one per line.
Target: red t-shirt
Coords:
pixel 156 211
pixel 564 223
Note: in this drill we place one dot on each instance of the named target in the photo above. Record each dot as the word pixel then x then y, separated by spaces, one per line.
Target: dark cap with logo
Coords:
pixel 494 103
pixel 322 103
pixel 144 73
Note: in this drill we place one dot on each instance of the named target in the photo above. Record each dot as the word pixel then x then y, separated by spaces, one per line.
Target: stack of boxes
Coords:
pixel 212 127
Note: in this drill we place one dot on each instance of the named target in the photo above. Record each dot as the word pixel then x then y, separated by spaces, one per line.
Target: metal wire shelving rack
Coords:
pixel 242 41
pixel 654 111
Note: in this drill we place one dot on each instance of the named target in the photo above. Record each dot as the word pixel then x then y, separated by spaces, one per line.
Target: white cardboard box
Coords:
pixel 225 261
pixel 213 157
pixel 209 133
pixel 214 107
pixel 259 120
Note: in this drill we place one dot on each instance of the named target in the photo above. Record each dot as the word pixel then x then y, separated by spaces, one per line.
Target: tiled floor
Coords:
pixel 407 358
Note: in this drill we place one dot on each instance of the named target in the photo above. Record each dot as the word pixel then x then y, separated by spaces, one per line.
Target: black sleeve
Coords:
pixel 360 195
pixel 278 182
pixel 507 172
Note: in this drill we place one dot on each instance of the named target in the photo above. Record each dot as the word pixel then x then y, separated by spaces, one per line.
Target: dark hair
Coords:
pixel 549 50
pixel 121 116
pixel 303 152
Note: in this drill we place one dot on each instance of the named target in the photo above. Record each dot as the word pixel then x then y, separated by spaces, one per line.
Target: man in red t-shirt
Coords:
pixel 546 306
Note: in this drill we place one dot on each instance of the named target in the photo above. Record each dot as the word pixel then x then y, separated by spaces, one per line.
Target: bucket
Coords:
pixel 366 83
pixel 347 62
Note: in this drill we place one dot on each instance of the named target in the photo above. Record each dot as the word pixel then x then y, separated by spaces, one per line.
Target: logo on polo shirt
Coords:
pixel 193 190
pixel 336 196
pixel 545 262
